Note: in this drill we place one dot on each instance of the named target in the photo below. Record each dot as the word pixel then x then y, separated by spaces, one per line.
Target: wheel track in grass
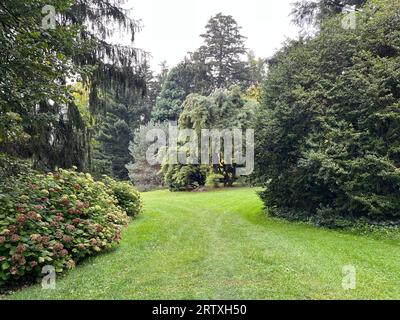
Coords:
pixel 221 245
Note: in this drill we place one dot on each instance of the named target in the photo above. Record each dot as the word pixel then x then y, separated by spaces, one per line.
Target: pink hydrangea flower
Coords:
pixel 15 237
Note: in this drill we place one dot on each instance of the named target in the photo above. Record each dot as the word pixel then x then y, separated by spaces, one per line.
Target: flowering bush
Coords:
pixel 55 219
pixel 128 197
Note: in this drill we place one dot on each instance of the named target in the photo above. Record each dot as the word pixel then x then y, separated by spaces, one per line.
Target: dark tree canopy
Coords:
pixel 36 102
pixel 327 145
pixel 177 86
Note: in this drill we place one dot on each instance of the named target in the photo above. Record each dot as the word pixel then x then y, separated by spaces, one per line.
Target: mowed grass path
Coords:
pixel 220 245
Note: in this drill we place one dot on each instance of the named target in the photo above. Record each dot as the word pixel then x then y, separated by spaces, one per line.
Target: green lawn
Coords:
pixel 220 245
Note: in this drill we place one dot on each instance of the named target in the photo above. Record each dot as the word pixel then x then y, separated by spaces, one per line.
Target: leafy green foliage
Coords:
pixel 12 168
pixel 222 110
pixel 218 64
pixel 214 180
pixel 32 125
pixel 184 177
pixel 328 129
pixel 176 88
pixel 55 219
pixel 129 199
pixel 39 118
pixel 124 114
pixel 114 137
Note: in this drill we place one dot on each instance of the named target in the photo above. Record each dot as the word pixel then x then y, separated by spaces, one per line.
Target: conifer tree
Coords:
pixel 223 50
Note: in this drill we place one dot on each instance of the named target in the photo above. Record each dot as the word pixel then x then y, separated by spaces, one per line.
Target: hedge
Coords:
pixel 56 219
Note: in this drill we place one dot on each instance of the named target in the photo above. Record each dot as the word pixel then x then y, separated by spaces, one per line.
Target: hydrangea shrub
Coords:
pixel 55 219
pixel 128 197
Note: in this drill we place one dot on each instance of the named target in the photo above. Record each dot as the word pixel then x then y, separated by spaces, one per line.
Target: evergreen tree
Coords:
pixel 223 49
pixel 255 71
pixel 327 147
pixel 221 110
pixel 217 64
pixel 177 86
pixel 154 86
pixel 46 123
pixel 114 137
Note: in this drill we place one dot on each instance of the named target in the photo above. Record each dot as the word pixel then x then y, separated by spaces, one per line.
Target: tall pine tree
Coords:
pixel 223 50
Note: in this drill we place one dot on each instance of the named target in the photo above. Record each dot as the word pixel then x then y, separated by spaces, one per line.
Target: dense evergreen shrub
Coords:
pixel 54 219
pixel 329 126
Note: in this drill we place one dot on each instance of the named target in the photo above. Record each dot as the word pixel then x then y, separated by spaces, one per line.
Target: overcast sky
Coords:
pixel 171 28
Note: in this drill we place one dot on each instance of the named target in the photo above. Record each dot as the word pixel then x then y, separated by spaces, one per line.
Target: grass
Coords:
pixel 220 245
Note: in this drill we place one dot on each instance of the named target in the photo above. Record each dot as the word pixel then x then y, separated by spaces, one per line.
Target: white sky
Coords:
pixel 171 28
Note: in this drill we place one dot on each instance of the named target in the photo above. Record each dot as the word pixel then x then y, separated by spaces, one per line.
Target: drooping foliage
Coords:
pixel 184 177
pixel 39 59
pixel 35 64
pixel 222 110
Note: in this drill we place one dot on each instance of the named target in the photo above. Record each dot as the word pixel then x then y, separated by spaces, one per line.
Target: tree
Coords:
pixel 254 72
pixel 177 86
pixel 154 86
pixel 125 114
pixel 29 51
pixel 142 174
pixel 223 49
pixel 114 136
pixel 115 130
pixel 327 147
pixel 215 65
pixel 184 177
pixel 200 73
pixel 48 126
pixel 222 110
